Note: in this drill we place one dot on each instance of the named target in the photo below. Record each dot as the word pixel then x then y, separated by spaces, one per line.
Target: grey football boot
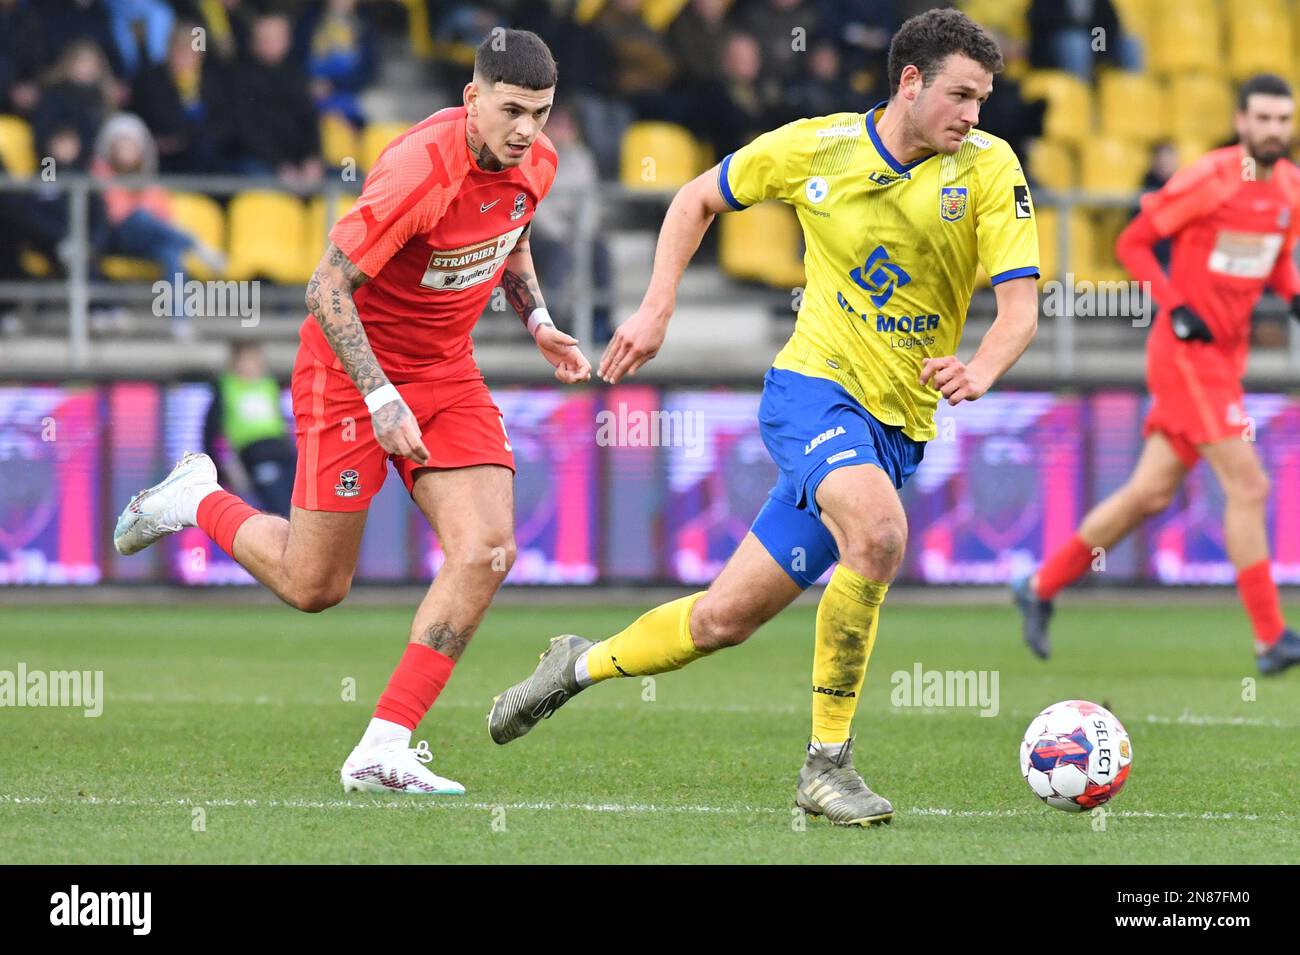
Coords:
pixel 1035 614
pixel 831 787
pixel 518 709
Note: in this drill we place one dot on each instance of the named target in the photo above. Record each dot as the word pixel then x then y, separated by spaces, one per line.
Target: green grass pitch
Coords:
pixel 240 712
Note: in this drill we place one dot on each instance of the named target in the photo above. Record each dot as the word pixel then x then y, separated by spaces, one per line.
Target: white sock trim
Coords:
pixel 191 497
pixel 384 733
pixel 580 671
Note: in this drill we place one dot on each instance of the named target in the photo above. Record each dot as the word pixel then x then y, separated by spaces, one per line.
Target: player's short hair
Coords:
pixel 927 39
pixel 1270 84
pixel 517 57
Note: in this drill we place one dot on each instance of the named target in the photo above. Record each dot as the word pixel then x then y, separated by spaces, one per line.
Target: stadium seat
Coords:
pixel 418 28
pixel 338 140
pixel 317 228
pixel 1132 106
pixel 1191 149
pixel 657 156
pixel 1082 244
pixel 1069 104
pixel 1200 107
pixel 1113 165
pixel 658 14
pixel 121 268
pixel 1139 17
pixel 1052 164
pixel 267 236
pixel 16 146
pixel 375 138
pixel 202 217
pixel 1107 225
pixel 1005 16
pixel 1259 39
pixel 763 244
pixel 587 10
pixel 1189 39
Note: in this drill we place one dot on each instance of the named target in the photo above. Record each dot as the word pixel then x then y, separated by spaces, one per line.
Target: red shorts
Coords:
pixel 1191 408
pixel 340 463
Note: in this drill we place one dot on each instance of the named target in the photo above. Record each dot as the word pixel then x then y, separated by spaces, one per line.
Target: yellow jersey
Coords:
pixel 891 250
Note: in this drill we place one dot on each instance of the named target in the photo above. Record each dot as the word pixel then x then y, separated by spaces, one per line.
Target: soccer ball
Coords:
pixel 1075 755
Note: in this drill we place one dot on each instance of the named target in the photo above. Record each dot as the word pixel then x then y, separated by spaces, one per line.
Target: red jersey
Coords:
pixel 1232 237
pixel 433 232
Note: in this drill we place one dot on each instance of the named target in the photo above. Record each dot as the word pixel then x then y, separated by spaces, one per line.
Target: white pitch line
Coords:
pixel 452 802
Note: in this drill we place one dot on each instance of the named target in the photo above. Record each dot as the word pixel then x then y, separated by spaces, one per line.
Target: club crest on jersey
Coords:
pixel 349 484
pixel 521 206
pixel 952 203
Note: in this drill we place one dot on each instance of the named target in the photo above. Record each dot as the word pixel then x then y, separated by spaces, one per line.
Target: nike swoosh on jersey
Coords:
pixel 484 207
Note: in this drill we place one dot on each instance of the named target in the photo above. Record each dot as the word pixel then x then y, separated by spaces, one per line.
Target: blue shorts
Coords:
pixel 811 426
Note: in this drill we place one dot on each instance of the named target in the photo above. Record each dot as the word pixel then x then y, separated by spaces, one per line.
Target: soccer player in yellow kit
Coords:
pixel 898 206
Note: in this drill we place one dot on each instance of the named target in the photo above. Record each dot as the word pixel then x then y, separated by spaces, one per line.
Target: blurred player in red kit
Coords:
pixel 386 373
pixel 1234 217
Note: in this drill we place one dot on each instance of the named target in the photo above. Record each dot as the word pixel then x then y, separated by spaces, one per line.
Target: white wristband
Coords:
pixel 538 318
pixel 380 397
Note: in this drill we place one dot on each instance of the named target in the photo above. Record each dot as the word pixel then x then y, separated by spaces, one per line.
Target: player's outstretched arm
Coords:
pixel 329 299
pixel 519 280
pixel 640 337
pixel 1002 345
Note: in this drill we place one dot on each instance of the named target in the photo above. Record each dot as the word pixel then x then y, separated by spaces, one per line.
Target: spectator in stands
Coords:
pixel 551 238
pixel 824 89
pixel 741 103
pixel 1076 35
pixel 862 30
pixel 22 57
pixel 140 218
pixel 277 128
pixel 783 30
pixel 1007 113
pixel 79 91
pixel 337 45
pixel 644 68
pixel 141 29
pixel 226 25
pixel 245 414
pixel 71 21
pixel 696 38
pixel 174 100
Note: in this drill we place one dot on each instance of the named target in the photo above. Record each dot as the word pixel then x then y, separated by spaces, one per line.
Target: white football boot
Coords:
pixel 395 769
pixel 161 510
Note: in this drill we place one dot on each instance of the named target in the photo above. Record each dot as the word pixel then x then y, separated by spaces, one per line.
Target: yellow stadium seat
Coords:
pixel 201 216
pixel 1069 104
pixel 657 156
pixel 1191 149
pixel 318 226
pixel 1082 244
pixel 1051 164
pixel 1107 225
pixel 1139 17
pixel 1189 39
pixel 1259 39
pixel 1132 106
pixel 375 138
pixel 658 14
pixel 267 235
pixel 588 10
pixel 338 140
pixel 1005 16
pixel 763 244
pixel 1113 165
pixel 121 268
pixel 16 146
pixel 418 30
pixel 1200 107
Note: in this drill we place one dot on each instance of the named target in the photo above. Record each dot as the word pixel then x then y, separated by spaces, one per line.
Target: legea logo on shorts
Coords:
pixel 823 437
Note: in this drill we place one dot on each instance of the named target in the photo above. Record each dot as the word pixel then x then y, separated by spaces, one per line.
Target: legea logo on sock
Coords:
pixel 946 689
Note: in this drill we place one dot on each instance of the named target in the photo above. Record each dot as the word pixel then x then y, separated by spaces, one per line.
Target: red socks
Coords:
pixel 414 685
pixel 1259 594
pixel 221 515
pixel 1066 565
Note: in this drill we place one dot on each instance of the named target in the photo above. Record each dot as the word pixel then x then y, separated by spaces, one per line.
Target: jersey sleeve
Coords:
pixel 1190 194
pixel 1006 230
pixel 761 170
pixel 405 194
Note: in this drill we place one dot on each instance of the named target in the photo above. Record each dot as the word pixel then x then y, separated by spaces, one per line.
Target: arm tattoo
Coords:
pixel 329 299
pixel 443 638
pixel 520 282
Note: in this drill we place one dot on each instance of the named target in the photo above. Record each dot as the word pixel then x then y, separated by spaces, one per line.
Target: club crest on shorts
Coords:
pixel 952 203
pixel 521 206
pixel 349 484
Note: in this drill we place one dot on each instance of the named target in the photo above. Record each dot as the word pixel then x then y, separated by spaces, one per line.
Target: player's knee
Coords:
pixel 1152 500
pixel 318 595
pixel 877 548
pixel 492 553
pixel 1250 490
pixel 714 626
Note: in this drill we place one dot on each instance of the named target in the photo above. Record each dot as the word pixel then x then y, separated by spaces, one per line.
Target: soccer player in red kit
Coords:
pixel 386 373
pixel 1234 217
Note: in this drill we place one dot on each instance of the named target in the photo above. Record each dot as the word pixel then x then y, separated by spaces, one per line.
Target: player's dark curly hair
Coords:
pixel 1270 84
pixel 928 38
pixel 517 57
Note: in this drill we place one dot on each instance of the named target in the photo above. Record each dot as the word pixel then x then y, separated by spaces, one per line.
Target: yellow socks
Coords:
pixel 846 632
pixel 659 641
